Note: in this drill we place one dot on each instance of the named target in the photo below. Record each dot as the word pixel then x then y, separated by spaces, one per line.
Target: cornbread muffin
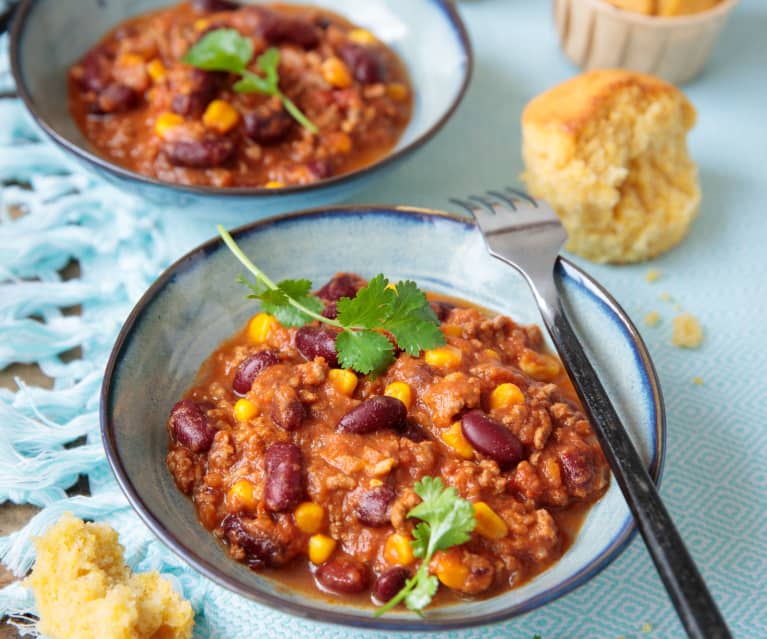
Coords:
pixel 607 150
pixel 665 8
pixel 84 590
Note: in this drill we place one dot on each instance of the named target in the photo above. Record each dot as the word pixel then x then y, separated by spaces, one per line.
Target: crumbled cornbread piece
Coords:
pixel 666 297
pixel 607 150
pixel 646 627
pixel 688 332
pixel 653 275
pixel 697 380
pixel 652 318
pixel 84 590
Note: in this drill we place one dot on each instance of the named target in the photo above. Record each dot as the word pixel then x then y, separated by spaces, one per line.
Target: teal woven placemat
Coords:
pixel 715 482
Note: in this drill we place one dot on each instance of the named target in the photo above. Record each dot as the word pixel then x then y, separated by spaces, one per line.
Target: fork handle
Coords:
pixel 696 608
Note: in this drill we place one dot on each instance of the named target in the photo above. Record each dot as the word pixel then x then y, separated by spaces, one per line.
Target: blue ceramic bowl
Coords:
pixel 196 304
pixel 48 36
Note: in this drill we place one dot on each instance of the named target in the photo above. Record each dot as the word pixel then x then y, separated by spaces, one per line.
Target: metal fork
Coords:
pixel 527 234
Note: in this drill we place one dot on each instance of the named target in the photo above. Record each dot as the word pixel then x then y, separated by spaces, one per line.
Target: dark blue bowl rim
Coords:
pixel 17 32
pixel 565 268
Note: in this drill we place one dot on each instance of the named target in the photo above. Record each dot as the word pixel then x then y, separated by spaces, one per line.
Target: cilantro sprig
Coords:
pixel 402 311
pixel 446 520
pixel 227 50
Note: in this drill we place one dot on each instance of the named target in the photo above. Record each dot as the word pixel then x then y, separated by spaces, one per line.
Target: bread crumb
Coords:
pixel 688 332
pixel 652 318
pixel 697 380
pixel 84 590
pixel 646 627
pixel 653 275
pixel 666 297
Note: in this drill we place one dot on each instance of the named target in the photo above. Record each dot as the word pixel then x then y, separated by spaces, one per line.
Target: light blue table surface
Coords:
pixel 715 478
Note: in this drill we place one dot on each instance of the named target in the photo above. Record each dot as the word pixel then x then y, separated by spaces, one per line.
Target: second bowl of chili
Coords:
pixel 319 98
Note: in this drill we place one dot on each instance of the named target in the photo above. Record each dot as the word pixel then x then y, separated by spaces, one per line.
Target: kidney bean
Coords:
pixel 277 27
pixel 414 432
pixel 250 367
pixel 210 151
pixel 342 575
pixel 341 285
pixel 372 508
pixel 287 412
pixel 320 169
pixel 116 98
pixel 441 309
pixel 492 438
pixel 317 341
pixel 389 583
pixel 192 90
pixel 284 485
pixel 211 6
pixel 374 413
pixel 189 426
pixel 268 124
pixel 96 68
pixel 577 468
pixel 261 549
pixel 363 62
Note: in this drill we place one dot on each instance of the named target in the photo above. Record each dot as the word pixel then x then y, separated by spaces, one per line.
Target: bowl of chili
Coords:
pixel 165 405
pixel 211 104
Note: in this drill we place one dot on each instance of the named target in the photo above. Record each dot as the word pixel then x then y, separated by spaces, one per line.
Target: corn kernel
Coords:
pixel 398 551
pixel 454 438
pixel 450 571
pixel 443 357
pixel 539 366
pixel 260 326
pixel 244 410
pixel 452 330
pixel 273 184
pixel 344 381
pixel 165 122
pixel 220 116
pixel 129 60
pixel 309 517
pixel 241 495
pixel 374 483
pixel 489 523
pixel 397 91
pixel 506 395
pixel 340 142
pixel 336 73
pixel 361 36
pixel 320 548
pixel 492 353
pixel 201 24
pixel 401 391
pixel 156 70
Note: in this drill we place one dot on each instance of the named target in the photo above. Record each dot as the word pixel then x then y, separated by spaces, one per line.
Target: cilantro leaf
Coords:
pixel 423 592
pixel 370 307
pixel 403 313
pixel 277 302
pixel 220 50
pixel 446 520
pixel 412 321
pixel 227 50
pixel 252 83
pixel 450 518
pixel 364 351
